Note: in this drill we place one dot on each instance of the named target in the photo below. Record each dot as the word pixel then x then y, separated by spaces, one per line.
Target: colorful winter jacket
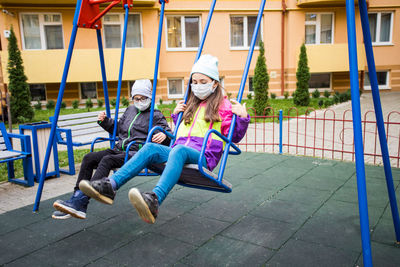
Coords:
pixel 192 135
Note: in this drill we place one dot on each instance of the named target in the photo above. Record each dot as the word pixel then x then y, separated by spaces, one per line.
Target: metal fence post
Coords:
pixel 280 130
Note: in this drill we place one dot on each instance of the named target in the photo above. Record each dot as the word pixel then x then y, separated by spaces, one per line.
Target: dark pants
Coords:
pixel 103 161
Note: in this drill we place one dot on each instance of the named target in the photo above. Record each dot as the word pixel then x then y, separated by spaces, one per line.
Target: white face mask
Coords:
pixel 203 90
pixel 142 105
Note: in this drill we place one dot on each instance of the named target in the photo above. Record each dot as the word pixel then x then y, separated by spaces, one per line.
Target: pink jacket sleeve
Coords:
pixel 225 113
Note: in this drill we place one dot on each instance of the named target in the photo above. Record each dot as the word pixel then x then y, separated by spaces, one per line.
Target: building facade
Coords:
pixel 43 28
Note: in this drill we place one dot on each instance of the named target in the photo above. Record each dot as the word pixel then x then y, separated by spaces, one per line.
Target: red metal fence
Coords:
pixel 320 133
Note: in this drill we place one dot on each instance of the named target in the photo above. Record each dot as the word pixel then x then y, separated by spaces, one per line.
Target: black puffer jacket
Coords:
pixel 134 126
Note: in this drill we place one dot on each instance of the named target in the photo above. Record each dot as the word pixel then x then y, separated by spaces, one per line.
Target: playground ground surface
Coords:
pixel 283 211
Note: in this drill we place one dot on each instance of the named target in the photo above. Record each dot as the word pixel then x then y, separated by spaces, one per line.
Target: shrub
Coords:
pixel 328 102
pixel 301 96
pixel 161 101
pixel 22 119
pixel 336 97
pixel 89 103
pixel 249 96
pixel 100 103
pixel 63 104
pixel 327 94
pixel 75 104
pixel 316 94
pixel 320 103
pixel 113 102
pixel 273 96
pixel 286 94
pixel 174 102
pixel 50 104
pixel 125 102
pixel 260 82
pixel 38 105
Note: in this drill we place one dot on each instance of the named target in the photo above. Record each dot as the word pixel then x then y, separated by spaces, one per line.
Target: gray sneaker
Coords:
pixel 146 204
pixel 58 215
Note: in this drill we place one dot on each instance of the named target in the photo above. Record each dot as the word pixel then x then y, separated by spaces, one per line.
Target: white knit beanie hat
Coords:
pixel 142 87
pixel 207 65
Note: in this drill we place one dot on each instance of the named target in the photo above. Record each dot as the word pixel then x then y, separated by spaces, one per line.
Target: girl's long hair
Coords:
pixel 212 107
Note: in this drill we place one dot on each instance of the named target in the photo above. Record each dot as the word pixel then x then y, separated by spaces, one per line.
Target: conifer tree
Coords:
pixel 260 82
pixel 20 102
pixel 301 96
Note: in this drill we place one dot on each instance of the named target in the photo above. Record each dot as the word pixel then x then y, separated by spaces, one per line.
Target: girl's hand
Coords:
pixel 180 107
pixel 238 109
pixel 158 138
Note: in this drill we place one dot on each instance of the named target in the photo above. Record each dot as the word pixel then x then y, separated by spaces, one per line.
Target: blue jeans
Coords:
pixel 151 153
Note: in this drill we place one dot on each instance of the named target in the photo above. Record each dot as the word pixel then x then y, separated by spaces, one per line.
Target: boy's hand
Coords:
pixel 101 116
pixel 239 109
pixel 158 138
pixel 180 107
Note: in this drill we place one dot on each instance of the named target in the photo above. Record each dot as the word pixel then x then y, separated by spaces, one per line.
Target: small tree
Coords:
pixel 20 102
pixel 301 96
pixel 260 82
pixel 89 104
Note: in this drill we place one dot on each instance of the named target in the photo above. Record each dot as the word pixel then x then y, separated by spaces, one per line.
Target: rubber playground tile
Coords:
pixel 76 250
pixel 285 211
pixel 228 211
pixel 379 172
pixel 384 232
pixel 12 220
pixel 102 262
pixel 260 231
pixel 383 255
pixel 191 229
pixel 194 195
pixel 278 176
pixel 304 195
pixel 371 182
pixel 376 197
pixel 332 172
pixel 150 250
pixel 301 253
pixel 300 163
pixel 387 215
pixel 172 208
pixel 229 252
pixel 317 182
pixel 242 172
pixel 19 243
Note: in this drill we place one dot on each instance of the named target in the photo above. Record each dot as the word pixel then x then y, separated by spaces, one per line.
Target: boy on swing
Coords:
pixel 132 126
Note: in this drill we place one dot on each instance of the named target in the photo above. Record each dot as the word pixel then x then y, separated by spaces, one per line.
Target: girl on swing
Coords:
pixel 206 108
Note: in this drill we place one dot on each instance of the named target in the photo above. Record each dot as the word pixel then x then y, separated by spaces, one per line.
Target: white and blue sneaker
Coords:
pixel 76 206
pixel 58 215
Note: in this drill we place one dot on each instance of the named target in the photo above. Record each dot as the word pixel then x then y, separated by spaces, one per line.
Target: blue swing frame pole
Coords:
pixel 200 49
pixel 241 89
pixel 58 106
pixel 104 76
pixel 379 116
pixel 155 76
pixel 357 129
pixel 121 69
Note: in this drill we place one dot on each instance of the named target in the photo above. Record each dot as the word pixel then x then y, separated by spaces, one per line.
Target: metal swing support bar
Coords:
pixel 357 130
pixel 121 69
pixel 239 99
pixel 77 14
pixel 379 116
pixel 199 50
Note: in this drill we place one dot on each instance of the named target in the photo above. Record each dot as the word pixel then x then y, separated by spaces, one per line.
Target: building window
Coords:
pixel 175 88
pixel 320 81
pixel 183 32
pixel 251 88
pixel 242 28
pixel 42 31
pixel 88 90
pixel 38 92
pixel 380 25
pixel 113 30
pixel 383 80
pixel 319 28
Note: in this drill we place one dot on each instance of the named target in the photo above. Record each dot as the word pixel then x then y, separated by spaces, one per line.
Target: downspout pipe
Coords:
pixel 283 48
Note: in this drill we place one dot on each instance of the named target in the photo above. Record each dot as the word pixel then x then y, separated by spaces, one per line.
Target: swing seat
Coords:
pixel 192 177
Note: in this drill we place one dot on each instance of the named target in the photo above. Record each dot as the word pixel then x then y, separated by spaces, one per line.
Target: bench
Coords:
pixel 8 155
pixel 75 130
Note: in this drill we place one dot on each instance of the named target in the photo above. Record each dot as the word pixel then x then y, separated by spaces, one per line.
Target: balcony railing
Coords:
pixel 62 2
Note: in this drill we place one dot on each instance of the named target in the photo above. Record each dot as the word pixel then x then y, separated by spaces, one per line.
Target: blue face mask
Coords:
pixel 203 90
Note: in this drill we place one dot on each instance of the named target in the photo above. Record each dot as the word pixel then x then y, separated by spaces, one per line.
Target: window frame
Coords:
pixel 312 89
pixel 380 87
pixel 121 24
pixel 317 24
pixel 252 86
pixel 245 33
pixel 378 28
pixel 42 23
pixel 183 34
pixel 80 92
pixel 176 96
